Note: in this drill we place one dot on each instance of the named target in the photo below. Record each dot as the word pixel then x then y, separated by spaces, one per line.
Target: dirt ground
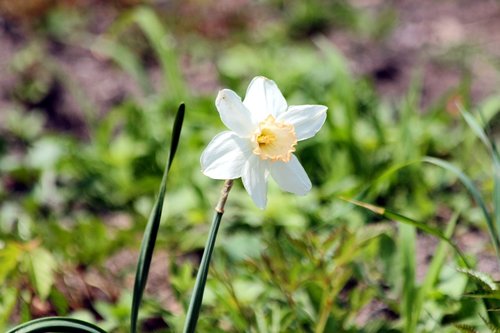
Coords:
pixel 446 40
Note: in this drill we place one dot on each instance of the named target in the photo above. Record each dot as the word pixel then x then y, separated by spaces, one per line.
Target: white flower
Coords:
pixel 263 134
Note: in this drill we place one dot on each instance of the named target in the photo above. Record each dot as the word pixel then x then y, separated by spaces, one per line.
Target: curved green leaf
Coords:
pixel 478 129
pixel 409 221
pixel 429 229
pixel 469 185
pixel 57 325
pixel 475 127
pixel 482 280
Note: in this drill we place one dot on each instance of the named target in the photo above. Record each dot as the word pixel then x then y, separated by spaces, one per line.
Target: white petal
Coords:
pixel 291 176
pixel 233 113
pixel 254 178
pixel 225 156
pixel 263 98
pixel 307 119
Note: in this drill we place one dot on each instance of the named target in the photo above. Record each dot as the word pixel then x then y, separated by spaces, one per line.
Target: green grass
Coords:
pixel 305 264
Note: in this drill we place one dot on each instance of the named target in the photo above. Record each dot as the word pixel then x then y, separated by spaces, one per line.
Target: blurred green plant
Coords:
pixel 41 263
pixel 55 190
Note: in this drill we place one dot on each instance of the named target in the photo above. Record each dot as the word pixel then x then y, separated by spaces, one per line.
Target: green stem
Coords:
pixel 339 277
pixel 325 314
pixel 201 277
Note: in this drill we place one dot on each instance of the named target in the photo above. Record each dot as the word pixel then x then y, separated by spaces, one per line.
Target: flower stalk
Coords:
pixel 201 278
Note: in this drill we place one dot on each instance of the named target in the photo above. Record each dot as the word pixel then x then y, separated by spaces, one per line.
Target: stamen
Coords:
pixel 266 137
pixel 274 140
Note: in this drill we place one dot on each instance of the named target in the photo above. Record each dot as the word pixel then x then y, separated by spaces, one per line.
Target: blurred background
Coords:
pixel 88 92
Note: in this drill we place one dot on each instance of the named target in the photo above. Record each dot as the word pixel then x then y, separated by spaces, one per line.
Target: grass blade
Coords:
pixel 496 189
pixel 57 325
pixel 407 238
pixel 161 43
pixel 430 230
pixel 433 272
pixel 127 59
pixel 469 185
pixel 164 48
pixel 475 127
pixel 489 294
pixel 148 242
pixel 491 147
pixel 406 220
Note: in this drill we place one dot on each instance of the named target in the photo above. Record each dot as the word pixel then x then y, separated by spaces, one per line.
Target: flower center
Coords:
pixel 274 140
pixel 266 137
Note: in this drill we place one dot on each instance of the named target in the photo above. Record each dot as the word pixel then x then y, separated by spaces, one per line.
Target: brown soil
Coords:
pixel 447 40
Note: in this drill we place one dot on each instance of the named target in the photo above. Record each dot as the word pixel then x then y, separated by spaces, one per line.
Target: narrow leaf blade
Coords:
pixel 406 220
pixel 151 232
pixel 474 192
pixel 475 127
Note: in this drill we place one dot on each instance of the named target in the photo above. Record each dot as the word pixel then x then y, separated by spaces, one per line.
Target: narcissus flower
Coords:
pixel 263 133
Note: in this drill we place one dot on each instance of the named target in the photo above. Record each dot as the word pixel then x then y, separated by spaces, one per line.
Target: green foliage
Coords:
pixel 57 325
pixel 283 280
pixel 466 328
pixel 41 265
pixel 306 264
pixel 151 232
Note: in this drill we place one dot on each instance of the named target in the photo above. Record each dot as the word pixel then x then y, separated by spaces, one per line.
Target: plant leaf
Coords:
pixel 407 242
pixel 491 294
pixel 469 185
pixel 57 325
pixel 492 327
pixel 483 280
pixel 164 48
pixel 42 267
pixel 149 239
pixel 487 291
pixel 475 127
pixel 406 220
pixel 9 257
pixel 466 328
pixel 496 188
pixel 432 275
pixel 124 57
pixel 491 147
